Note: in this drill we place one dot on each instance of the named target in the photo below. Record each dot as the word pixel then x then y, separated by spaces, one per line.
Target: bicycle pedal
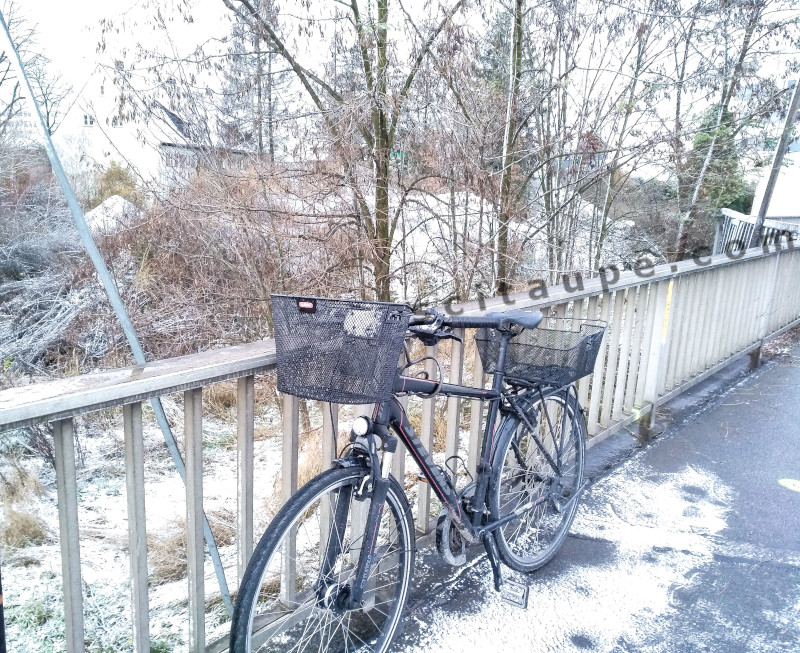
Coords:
pixel 515 593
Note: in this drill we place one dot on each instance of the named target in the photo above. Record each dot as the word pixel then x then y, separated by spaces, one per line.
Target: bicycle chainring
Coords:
pixel 449 542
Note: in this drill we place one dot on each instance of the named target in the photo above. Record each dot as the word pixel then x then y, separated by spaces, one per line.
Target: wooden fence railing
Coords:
pixel 670 327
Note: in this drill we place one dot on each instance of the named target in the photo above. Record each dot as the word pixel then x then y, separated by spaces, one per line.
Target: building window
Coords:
pixel 102 89
pixel 88 121
pixel 176 160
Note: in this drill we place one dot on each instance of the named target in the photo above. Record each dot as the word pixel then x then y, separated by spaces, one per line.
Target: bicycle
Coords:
pixel 333 568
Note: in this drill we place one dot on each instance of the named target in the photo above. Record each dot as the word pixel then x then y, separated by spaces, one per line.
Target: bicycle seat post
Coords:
pixel 501 359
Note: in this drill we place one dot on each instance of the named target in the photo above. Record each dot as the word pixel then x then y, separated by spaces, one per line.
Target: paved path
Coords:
pixel 691 543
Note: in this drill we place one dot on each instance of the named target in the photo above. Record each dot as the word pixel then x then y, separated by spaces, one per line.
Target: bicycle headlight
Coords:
pixel 361 425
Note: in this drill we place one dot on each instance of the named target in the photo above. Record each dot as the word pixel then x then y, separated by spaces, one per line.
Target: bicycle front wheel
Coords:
pixel 294 593
pixel 542 465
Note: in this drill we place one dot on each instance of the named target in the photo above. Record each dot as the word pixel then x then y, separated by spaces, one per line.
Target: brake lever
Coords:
pixel 452 336
pixel 430 338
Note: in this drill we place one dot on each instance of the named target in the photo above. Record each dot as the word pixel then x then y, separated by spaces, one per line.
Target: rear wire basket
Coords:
pixel 335 350
pixel 553 354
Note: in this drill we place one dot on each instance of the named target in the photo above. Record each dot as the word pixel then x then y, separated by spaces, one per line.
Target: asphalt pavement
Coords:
pixel 688 543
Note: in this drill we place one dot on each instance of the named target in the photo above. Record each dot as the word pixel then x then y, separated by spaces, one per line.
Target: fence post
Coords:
pixel 137 532
pixel 658 339
pixel 245 432
pixel 769 306
pixel 399 459
pixel 454 403
pixel 330 432
pixel 291 440
pixel 426 436
pixel 195 558
pixel 67 492
pixel 475 417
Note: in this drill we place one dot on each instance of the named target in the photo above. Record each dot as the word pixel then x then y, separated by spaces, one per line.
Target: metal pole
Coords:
pixel 111 290
pixel 2 617
pixel 777 161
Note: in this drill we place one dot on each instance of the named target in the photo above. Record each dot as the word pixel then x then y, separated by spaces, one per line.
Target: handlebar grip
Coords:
pixel 416 320
pixel 503 321
pixel 471 322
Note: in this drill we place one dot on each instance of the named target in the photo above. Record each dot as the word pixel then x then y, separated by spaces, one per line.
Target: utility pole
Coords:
pixel 2 618
pixel 777 161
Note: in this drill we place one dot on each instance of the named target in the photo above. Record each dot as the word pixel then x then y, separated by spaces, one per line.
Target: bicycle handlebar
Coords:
pixel 502 321
pixel 491 321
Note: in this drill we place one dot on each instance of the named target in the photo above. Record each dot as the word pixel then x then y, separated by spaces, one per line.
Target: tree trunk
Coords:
pixel 641 49
pixel 382 245
pixel 506 208
pixel 270 110
pixel 259 96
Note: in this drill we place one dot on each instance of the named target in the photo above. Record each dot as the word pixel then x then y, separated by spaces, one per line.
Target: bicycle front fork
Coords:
pixel 373 486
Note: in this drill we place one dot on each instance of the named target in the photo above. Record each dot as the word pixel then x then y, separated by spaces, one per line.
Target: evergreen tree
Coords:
pixel 250 90
pixel 724 185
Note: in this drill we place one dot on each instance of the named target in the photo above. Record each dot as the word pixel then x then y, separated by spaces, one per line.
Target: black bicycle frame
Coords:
pixel 391 413
pixel 390 417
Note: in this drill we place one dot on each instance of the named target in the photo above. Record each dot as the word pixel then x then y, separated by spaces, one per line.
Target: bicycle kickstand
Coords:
pixel 511 591
pixel 494 559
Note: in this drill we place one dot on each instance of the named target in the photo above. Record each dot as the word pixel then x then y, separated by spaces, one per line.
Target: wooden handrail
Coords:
pixel 68 397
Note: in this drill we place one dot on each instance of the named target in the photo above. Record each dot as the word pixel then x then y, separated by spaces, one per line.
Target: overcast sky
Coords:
pixel 69 31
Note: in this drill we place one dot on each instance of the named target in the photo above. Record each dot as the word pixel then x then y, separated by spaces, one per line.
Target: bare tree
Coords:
pixel 375 106
pixel 51 92
pixel 745 27
pixel 23 35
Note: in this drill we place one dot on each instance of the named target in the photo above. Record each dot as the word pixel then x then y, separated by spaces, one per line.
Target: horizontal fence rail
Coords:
pixel 670 327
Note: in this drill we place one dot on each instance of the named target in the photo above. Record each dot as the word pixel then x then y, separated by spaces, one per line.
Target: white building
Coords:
pixel 97 128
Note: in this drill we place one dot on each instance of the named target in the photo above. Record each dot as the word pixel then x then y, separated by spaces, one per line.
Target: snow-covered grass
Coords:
pixel 32 574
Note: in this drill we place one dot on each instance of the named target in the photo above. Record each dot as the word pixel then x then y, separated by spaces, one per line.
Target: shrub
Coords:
pixel 21 529
pixel 167 555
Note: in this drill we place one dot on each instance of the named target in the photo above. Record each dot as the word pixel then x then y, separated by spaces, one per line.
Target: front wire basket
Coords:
pixel 553 354
pixel 341 351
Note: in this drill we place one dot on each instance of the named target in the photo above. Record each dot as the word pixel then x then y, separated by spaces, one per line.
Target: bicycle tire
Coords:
pixel 273 614
pixel 521 473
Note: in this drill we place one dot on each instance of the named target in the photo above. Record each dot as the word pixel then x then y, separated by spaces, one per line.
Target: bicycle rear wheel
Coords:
pixel 543 466
pixel 293 596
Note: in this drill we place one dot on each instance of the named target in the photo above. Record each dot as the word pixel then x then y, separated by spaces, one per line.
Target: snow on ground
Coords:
pixel 650 532
pixel 111 214
pixel 32 575
pixel 618 601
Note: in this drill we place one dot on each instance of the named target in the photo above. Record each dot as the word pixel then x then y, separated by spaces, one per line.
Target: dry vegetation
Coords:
pixel 201 266
pixel 20 490
pixel 220 399
pixel 166 555
pixel 223 525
